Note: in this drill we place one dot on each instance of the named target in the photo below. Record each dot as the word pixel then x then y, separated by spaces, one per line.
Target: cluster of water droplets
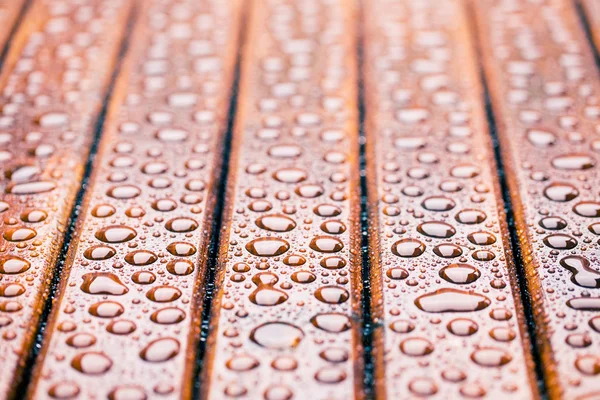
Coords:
pixel 452 325
pixel 286 304
pixel 547 90
pixel 127 322
pixel 56 72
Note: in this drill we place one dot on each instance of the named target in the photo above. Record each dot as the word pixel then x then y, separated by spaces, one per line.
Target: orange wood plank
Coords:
pixel 126 323
pixel 544 87
pixel 54 79
pixel 286 316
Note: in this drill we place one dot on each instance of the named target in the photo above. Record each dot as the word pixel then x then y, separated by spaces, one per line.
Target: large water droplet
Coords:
pixel 267 247
pixel 451 300
pixel 160 350
pixel 103 283
pixel 277 335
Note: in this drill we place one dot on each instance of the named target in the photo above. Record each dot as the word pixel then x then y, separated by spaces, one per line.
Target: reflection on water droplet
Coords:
pixel 584 303
pixel 19 234
pixel 438 204
pixel 141 257
pixel 103 283
pixel 462 327
pixel 160 350
pixel 13 265
pixel 267 247
pixel 331 322
pixel 106 309
pixel 589 209
pixel 290 175
pixel 573 162
pixel 447 250
pixel 163 294
pixel 276 223
pixel 460 273
pixel 277 335
pixel 553 223
pixel 92 363
pixel 560 242
pixel 416 347
pixel 332 294
pixel 436 229
pixel 491 357
pixel 451 300
pixel 326 244
pixel 581 273
pixel 561 192
pixel 115 234
pixel 179 225
pixel 408 248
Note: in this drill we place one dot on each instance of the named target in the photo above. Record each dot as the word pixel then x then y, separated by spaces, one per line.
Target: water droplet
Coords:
pixel 12 265
pixel 106 309
pixel 290 175
pixel 331 322
pixel 277 335
pixel 92 363
pixel 436 229
pixel 115 234
pixel 581 273
pixel 438 204
pixel 561 192
pixel 481 238
pixel 19 234
pixel 416 347
pixel 181 249
pixel 462 327
pixel 447 250
pixel 180 225
pixel 163 294
pixel 573 162
pixel 491 357
pixel 470 217
pixel 276 223
pixel 460 273
pixel 168 316
pixel 123 192
pixel 541 138
pixel 451 300
pixel 326 244
pixel 267 247
pixel 242 362
pixel 560 242
pixel 103 283
pixel 332 294
pixel 408 248
pixel 589 209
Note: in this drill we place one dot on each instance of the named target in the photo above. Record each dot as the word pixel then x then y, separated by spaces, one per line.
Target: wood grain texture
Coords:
pixel 544 89
pixel 52 85
pixel 126 323
pixel 445 295
pixel 286 317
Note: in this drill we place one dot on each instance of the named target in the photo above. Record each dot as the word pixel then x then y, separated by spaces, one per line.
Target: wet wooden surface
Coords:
pixel 126 321
pixel 444 287
pixel 142 308
pixel 544 88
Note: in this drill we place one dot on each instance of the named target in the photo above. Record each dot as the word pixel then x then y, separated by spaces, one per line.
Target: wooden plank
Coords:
pixel 10 11
pixel 445 294
pixel 54 79
pixel 544 87
pixel 126 323
pixel 286 315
